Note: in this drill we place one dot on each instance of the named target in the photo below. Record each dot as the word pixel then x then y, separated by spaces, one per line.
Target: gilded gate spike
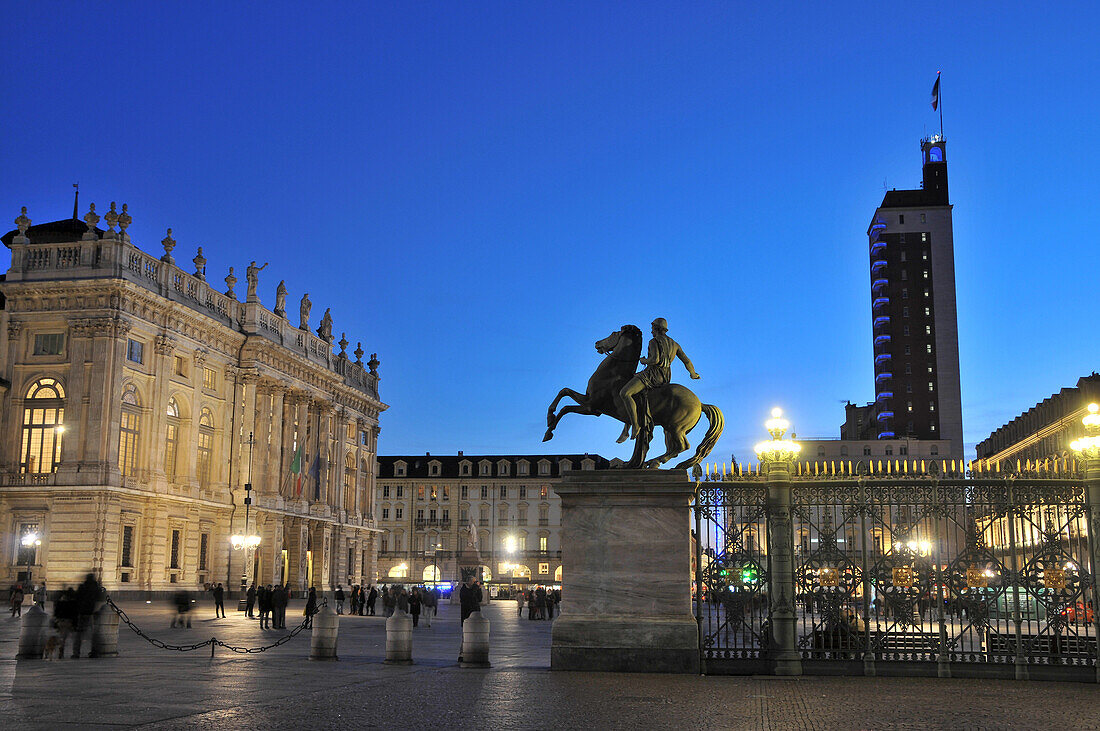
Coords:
pixel 1017 465
pixel 889 467
pixel 922 468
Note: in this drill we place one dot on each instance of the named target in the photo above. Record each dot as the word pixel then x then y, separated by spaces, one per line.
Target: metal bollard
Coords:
pixel 322 643
pixel 32 635
pixel 399 638
pixel 105 634
pixel 475 642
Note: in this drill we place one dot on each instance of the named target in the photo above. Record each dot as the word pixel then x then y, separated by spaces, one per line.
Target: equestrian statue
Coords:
pixel 643 400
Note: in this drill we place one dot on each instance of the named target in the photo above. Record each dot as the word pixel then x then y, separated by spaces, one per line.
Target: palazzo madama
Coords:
pixel 139 400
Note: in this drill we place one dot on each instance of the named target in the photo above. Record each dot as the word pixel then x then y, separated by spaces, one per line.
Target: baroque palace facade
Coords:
pixel 430 505
pixel 140 403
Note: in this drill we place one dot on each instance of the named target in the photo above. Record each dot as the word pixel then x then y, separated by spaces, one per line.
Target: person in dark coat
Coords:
pixel 338 596
pixel 87 595
pixel 250 600
pixel 182 600
pixel 263 601
pixel 65 617
pixel 414 606
pixel 311 606
pixel 469 597
pixel 279 597
pixel 372 597
pixel 219 600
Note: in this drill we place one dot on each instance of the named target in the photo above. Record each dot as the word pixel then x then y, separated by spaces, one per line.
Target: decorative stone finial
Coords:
pixel 200 265
pixel 359 353
pixel 230 281
pixel 343 345
pixel 91 218
pixel 373 364
pixel 168 243
pixel 124 221
pixel 22 223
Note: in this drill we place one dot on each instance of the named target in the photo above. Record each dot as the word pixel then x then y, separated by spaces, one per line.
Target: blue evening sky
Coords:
pixel 480 191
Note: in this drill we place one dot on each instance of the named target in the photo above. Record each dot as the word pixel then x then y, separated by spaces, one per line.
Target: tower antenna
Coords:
pixel 76 198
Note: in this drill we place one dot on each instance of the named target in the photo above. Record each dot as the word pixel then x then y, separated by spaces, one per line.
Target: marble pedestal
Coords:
pixel 626 573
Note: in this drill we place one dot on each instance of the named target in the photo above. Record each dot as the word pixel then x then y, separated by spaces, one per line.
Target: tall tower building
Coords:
pixel 916 338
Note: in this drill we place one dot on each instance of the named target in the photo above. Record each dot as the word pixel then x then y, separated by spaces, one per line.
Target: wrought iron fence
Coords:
pixel 957 574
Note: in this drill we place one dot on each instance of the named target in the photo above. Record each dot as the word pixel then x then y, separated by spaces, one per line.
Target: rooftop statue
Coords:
pixel 644 400
pixel 252 277
pixel 303 310
pixel 280 298
pixel 325 329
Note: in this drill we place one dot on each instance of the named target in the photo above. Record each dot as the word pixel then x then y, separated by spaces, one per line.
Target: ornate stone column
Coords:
pixel 612 619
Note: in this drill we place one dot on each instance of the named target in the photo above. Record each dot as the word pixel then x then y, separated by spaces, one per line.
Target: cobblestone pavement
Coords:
pixel 147 686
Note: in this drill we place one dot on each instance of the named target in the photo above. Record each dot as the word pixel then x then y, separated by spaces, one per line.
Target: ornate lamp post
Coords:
pixel 31 541
pixel 246 542
pixel 776 456
pixel 1087 448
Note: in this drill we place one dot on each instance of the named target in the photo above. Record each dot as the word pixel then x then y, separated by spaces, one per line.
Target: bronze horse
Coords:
pixel 673 407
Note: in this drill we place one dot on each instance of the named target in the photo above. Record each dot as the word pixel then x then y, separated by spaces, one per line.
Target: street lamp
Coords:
pixel 32 541
pixel 1088 446
pixel 246 542
pixel 777 449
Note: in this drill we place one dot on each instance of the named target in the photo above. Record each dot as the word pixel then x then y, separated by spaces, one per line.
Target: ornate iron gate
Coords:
pixel 950 575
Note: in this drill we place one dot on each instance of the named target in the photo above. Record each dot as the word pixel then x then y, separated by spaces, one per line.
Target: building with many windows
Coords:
pixel 429 507
pixel 915 331
pixel 141 406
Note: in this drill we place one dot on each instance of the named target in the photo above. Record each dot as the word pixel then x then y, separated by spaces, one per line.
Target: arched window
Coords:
pixel 171 439
pixel 399 572
pixel 129 431
pixel 431 573
pixel 43 427
pixel 205 454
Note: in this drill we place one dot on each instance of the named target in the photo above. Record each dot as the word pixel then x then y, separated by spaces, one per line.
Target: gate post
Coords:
pixel 781 578
pixel 626 573
pixel 1087 449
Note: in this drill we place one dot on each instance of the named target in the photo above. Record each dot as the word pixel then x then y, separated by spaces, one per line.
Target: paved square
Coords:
pixel 151 687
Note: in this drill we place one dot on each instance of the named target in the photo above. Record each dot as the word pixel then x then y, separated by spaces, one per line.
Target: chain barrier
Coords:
pixel 213 641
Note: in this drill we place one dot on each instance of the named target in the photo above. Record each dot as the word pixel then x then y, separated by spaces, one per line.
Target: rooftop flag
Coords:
pixel 936 93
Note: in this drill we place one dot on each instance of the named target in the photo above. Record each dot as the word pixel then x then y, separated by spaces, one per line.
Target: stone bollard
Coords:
pixel 105 634
pixel 399 630
pixel 32 635
pixel 322 643
pixel 475 642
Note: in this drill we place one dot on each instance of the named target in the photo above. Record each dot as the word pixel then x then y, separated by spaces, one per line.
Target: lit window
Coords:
pixel 932 406
pixel 135 351
pixel 931 387
pixel 927 311
pixel 544 491
pixel 909 405
pixel 928 348
pixel 543 542
pixel 209 379
pixel 43 427
pixel 544 568
pixel 129 431
pixel 925 273
pixel 205 452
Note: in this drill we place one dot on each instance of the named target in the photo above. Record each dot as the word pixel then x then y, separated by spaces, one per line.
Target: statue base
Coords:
pixel 626 573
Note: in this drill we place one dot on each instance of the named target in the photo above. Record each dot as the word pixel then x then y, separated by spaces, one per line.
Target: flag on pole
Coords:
pixel 296 470
pixel 936 93
pixel 315 473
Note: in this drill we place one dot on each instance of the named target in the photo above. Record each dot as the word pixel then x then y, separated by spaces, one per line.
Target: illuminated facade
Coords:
pixel 916 342
pixel 428 504
pixel 1046 429
pixel 133 387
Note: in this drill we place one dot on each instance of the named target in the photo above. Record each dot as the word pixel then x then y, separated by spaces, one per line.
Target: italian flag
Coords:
pixel 296 470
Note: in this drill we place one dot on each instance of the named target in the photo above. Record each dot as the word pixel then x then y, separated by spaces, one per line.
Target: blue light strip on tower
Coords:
pixel 882 320
pixel 884 415
pixel 882 357
pixel 882 339
pixel 886 435
pixel 886 376
pixel 878 246
pixel 880 302
pixel 879 283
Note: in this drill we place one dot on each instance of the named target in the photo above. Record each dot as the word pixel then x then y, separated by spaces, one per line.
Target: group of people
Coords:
pixel 73 614
pixel 363 599
pixel 540 602
pixel 419 602
pixel 17 594
pixel 271 601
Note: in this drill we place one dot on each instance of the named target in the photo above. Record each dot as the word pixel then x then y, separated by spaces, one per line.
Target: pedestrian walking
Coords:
pixel 469 597
pixel 40 594
pixel 280 595
pixel 372 597
pixel 414 606
pixel 519 602
pixel 16 596
pixel 436 594
pixel 427 599
pixel 182 600
pixel 87 596
pixel 250 600
pixel 389 602
pixel 219 601
pixel 311 606
pixel 353 605
pixel 65 617
pixel 339 597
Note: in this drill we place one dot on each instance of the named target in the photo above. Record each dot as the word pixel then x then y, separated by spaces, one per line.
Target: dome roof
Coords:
pixel 55 232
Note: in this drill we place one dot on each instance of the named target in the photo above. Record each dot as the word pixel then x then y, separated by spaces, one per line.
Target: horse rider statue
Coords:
pixel 658 372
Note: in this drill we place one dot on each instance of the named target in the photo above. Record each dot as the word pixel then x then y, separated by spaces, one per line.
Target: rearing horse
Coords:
pixel 673 407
